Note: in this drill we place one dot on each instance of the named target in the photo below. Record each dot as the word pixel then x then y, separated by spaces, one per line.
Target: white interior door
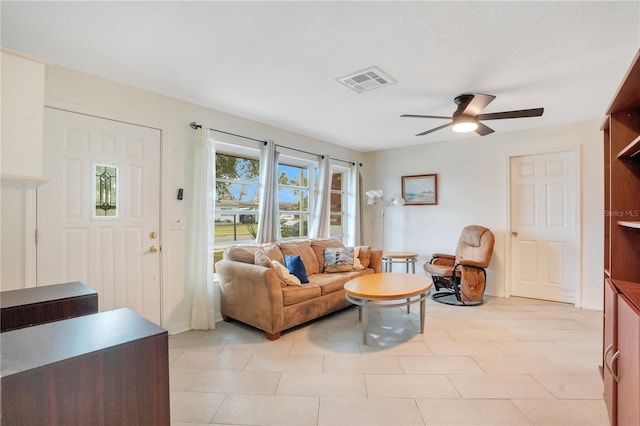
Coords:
pixel 544 246
pixel 98 217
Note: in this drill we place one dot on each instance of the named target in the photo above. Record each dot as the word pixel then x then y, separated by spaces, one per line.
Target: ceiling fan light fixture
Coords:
pixel 467 117
pixel 464 124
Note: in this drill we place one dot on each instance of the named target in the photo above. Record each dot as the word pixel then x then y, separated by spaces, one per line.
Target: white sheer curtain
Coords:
pixel 355 188
pixel 268 223
pixel 320 221
pixel 200 252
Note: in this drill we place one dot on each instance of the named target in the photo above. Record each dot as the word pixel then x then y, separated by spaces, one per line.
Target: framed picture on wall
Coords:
pixel 420 190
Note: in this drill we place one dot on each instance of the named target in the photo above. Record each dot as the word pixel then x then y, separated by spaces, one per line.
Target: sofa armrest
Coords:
pixel 375 262
pixel 251 294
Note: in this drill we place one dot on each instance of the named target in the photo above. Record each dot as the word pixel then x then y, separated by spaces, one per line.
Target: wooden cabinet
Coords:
pixel 610 347
pixel 109 368
pixel 621 360
pixel 621 338
pixel 628 363
pixel 39 305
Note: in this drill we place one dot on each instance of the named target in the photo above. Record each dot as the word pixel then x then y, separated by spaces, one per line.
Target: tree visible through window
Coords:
pixel 237 198
pixel 338 204
pixel 293 200
pixel 238 192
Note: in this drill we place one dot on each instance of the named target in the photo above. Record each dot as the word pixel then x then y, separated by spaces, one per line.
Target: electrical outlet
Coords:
pixel 177 224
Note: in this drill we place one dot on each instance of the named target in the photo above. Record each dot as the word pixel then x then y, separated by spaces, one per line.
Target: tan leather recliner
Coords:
pixel 463 275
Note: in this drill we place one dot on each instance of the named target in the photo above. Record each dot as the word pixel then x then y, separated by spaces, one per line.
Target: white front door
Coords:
pixel 98 218
pixel 544 251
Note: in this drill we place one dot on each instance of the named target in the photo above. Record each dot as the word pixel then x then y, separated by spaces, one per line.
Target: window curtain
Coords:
pixel 320 221
pixel 268 223
pixel 355 183
pixel 200 252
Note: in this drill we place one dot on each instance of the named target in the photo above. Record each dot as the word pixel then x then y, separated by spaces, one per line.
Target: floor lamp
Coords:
pixel 375 198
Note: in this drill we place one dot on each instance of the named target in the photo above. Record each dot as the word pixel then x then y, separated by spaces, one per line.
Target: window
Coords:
pixel 338 203
pixel 293 199
pixel 237 197
pixel 238 191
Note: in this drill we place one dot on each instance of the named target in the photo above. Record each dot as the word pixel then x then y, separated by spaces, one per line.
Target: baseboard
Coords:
pixel 179 328
pixel 186 326
pixel 591 307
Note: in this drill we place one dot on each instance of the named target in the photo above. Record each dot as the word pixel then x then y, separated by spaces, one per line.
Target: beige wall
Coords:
pixel 76 91
pixel 472 179
pixel 473 189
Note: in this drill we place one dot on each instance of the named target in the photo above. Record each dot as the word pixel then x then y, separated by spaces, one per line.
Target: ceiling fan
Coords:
pixel 467 117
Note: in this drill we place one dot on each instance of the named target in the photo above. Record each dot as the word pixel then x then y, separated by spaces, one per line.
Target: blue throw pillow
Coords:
pixel 296 267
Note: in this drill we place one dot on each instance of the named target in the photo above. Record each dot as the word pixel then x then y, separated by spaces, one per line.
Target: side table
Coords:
pixel 407 258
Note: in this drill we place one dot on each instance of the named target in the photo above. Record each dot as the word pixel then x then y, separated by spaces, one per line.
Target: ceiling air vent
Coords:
pixel 370 78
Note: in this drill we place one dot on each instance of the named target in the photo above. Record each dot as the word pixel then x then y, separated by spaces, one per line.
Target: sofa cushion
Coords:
pixel 318 246
pixel 240 253
pixel 293 294
pixel 296 267
pixel 365 256
pixel 272 250
pixel 246 253
pixel 286 278
pixel 330 283
pixel 338 259
pixel 303 249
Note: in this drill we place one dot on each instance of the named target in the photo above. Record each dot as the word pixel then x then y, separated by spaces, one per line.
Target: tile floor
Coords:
pixel 510 361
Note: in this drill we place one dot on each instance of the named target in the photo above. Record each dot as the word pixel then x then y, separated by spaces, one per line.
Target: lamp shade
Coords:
pixel 374 193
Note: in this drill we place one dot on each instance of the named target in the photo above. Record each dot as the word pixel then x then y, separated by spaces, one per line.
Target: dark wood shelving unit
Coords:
pixel 630 150
pixel 39 305
pixel 621 342
pixel 629 224
pixel 109 368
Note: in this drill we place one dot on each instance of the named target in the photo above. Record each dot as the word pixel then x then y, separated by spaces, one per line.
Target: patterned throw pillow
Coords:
pixel 338 259
pixel 319 244
pixel 285 277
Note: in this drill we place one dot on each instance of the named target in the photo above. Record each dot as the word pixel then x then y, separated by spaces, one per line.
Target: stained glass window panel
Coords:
pixel 106 191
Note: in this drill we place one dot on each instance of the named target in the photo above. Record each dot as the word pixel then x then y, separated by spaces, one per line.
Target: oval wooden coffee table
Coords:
pixel 387 291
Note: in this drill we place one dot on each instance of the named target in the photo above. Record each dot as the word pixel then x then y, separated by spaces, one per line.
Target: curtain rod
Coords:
pixel 197 126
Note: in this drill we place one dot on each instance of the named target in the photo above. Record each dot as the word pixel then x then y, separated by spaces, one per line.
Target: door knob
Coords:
pixel 514 234
pixel 153 249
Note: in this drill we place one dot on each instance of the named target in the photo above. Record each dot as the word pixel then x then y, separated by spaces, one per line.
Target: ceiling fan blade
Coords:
pixel 477 103
pixel 522 113
pixel 434 129
pixel 483 130
pixel 425 116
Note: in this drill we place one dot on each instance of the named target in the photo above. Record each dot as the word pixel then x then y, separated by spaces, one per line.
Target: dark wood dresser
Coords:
pixel 109 368
pixel 38 305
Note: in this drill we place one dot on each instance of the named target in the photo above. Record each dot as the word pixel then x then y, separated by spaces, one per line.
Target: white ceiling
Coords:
pixel 277 62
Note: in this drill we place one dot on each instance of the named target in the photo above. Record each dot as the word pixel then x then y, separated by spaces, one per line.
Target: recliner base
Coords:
pixel 450 298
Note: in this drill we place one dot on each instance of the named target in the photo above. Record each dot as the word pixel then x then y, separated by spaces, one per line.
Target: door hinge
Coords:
pixel 35 237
